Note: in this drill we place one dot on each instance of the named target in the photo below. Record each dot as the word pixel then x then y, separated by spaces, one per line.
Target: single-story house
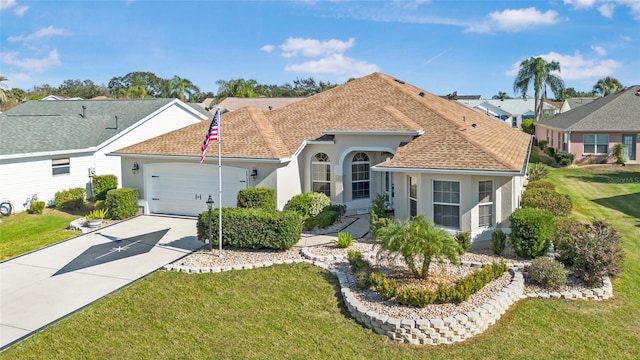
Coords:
pixel 48 146
pixel 591 131
pixel 373 135
pixel 575 102
pixel 511 111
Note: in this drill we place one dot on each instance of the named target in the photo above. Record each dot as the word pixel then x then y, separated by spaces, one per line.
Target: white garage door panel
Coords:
pixel 183 189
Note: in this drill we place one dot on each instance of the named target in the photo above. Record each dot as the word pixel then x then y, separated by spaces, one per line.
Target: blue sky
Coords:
pixel 472 47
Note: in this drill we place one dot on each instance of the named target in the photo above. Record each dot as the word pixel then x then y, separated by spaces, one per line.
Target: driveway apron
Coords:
pixel 43 286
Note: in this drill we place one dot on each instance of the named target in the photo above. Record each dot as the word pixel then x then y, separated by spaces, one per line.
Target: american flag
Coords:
pixel 212 134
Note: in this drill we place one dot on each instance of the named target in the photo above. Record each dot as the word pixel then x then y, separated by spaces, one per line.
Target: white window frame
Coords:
pixel 367 165
pixel 60 166
pixel 412 182
pixel 484 203
pixel 596 143
pixel 446 204
pixel 321 173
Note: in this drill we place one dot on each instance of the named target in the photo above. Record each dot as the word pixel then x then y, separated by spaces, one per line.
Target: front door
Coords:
pixel 629 141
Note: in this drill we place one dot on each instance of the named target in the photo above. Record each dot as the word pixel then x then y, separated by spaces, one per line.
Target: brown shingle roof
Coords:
pixel 455 137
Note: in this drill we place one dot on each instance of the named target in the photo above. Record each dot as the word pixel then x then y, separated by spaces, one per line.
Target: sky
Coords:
pixel 471 47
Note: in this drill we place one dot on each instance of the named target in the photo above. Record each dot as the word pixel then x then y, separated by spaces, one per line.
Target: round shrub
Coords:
pixel 498 241
pixel 558 204
pixel 565 229
pixel 547 273
pixel 70 199
pixel 257 198
pixel 36 207
pixel 309 203
pixel 531 232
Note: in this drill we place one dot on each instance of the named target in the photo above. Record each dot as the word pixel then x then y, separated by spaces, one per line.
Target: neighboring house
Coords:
pixel 591 131
pixel 373 135
pixel 572 103
pixel 47 146
pixel 56 97
pixel 511 111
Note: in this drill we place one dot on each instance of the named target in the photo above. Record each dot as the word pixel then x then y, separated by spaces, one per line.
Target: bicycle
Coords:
pixel 6 208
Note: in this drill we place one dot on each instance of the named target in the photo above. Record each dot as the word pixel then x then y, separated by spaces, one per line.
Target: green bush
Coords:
pixel 344 240
pixel 564 158
pixel 99 204
pixel 558 204
pixel 541 184
pixel 101 184
pixel 326 218
pixel 122 203
pixel 550 151
pixel 547 272
pixel 308 204
pixel 531 231
pixel 36 207
pixel 498 241
pixel 538 171
pixel 70 199
pixel 257 198
pixel 361 269
pixel 464 240
pixel 417 297
pixel 618 152
pixel 340 209
pixel 387 288
pixel 564 229
pixel 379 206
pixel 542 144
pixel 252 228
pixel 379 224
pixel 528 127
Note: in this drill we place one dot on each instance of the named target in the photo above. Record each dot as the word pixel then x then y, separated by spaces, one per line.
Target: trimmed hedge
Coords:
pixel 541 198
pixel 541 184
pixel 122 203
pixel 252 228
pixel 70 199
pixel 308 204
pixel 531 231
pixel 257 198
pixel 101 184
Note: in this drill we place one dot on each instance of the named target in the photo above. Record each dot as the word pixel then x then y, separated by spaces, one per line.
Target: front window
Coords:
pixel 60 166
pixel 360 166
pixel 596 143
pixel 446 203
pixel 485 199
pixel 321 174
pixel 413 196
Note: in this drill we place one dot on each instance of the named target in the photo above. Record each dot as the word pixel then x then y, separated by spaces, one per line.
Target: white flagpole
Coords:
pixel 219 185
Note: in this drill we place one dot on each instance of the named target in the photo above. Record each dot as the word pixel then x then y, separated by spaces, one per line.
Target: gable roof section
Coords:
pixel 615 112
pixel 49 126
pixel 453 136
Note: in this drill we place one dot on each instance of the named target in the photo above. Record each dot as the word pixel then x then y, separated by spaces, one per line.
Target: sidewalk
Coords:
pixel 358 229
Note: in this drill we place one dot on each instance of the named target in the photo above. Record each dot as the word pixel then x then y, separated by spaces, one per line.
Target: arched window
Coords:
pixel 321 174
pixel 360 181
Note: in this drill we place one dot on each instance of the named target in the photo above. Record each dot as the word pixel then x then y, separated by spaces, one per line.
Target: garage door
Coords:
pixel 183 189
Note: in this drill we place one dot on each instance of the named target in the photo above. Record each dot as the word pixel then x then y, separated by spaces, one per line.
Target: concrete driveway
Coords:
pixel 46 285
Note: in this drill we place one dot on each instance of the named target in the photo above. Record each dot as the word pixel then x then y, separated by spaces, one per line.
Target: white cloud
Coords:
pixel 599 50
pixel 515 20
pixel 606 10
pixel 336 64
pixel 580 4
pixel 36 65
pixel 412 4
pixel 20 10
pixel 313 47
pixel 41 33
pixel 574 67
pixel 6 4
pixel 267 48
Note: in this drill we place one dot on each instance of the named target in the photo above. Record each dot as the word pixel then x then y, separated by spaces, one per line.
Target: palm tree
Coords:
pixel 606 86
pixel 3 87
pixel 540 72
pixel 181 86
pixel 501 96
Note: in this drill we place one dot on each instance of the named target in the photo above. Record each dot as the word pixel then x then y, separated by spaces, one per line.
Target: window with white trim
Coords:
pixel 321 174
pixel 485 201
pixel 60 166
pixel 446 203
pixel 413 195
pixel 360 177
pixel 596 143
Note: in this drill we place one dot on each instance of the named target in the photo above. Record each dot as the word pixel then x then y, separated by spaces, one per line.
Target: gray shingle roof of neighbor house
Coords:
pixel 615 112
pixel 454 137
pixel 47 126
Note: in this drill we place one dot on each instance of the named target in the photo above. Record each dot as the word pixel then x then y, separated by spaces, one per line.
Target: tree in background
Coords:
pixel 501 96
pixel 606 86
pixel 572 93
pixel 181 87
pixel 152 84
pixel 84 89
pixel 236 88
pixel 539 72
pixel 3 87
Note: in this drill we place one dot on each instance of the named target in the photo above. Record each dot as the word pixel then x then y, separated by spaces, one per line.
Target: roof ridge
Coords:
pixel 268 132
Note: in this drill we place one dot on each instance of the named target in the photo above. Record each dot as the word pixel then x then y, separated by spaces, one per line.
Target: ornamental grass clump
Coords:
pixel 344 241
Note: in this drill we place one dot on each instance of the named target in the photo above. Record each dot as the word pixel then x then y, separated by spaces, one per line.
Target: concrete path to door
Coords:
pixel 44 286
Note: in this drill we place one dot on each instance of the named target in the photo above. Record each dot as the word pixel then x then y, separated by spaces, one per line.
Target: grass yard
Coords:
pixel 295 311
pixel 23 232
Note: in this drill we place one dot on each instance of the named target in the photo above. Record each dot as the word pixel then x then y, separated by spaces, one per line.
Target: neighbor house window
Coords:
pixel 360 176
pixel 596 143
pixel 60 166
pixel 446 203
pixel 565 142
pixel 321 174
pixel 485 201
pixel 413 196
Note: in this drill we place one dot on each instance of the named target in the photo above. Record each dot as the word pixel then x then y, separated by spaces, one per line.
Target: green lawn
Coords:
pixel 295 311
pixel 23 232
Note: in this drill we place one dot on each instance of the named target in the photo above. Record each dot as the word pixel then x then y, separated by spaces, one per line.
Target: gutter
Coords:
pixel 189 157
pixel 451 171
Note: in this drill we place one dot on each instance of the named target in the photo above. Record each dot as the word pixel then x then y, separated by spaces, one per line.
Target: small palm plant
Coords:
pixel 96 214
pixel 344 240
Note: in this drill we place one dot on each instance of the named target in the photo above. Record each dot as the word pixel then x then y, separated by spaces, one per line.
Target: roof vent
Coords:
pixel 421 94
pixel 399 81
pixel 84 109
pixel 473 125
pixel 270 108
